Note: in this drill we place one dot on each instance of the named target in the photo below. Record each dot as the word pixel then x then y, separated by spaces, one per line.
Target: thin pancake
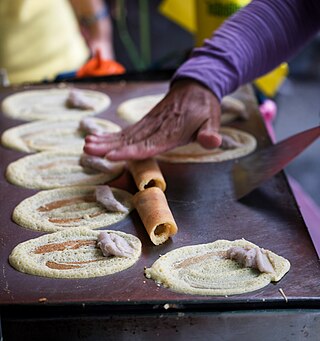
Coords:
pixel 205 270
pixel 193 152
pixel 134 109
pixel 47 170
pixel 51 103
pixel 54 135
pixel 63 208
pixel 71 253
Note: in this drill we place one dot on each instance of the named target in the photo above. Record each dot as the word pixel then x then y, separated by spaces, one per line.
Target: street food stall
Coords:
pixel 127 305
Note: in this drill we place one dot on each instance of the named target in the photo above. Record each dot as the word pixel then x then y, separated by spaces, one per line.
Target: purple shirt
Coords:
pixel 252 42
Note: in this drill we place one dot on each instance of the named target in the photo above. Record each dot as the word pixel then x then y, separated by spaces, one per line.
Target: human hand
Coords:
pixel 104 47
pixel 98 39
pixel 188 112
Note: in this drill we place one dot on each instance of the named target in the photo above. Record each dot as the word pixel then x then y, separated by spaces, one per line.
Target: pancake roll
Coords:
pixel 146 173
pixel 155 214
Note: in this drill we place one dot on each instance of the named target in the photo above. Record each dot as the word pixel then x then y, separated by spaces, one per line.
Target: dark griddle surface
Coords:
pixel 200 196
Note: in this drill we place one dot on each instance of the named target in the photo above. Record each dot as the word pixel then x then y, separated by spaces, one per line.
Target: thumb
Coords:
pixel 208 136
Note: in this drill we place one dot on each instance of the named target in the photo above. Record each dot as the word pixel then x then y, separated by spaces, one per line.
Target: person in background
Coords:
pixel 40 39
pixel 96 26
pixel 252 42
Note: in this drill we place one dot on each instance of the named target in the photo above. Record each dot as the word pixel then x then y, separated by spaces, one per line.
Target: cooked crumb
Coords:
pixel 42 299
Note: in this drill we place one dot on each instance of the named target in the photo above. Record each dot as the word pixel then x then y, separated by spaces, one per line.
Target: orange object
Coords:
pixel 96 66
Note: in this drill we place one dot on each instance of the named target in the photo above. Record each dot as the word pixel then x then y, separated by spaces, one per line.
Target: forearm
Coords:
pixel 251 43
pixel 95 23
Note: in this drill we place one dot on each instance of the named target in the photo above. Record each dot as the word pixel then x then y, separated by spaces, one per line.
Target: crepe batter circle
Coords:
pixel 194 153
pixel 46 170
pixel 70 254
pixel 134 109
pixel 70 207
pixel 204 270
pixel 54 135
pixel 42 104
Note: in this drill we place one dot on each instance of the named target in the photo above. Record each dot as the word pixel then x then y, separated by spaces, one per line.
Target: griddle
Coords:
pixel 201 199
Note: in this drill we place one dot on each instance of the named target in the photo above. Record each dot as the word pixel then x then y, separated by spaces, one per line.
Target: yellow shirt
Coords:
pixel 39 39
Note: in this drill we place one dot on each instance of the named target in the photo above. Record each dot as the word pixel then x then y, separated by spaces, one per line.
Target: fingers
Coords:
pixel 163 135
pixel 141 150
pixel 95 149
pixel 100 145
pixel 136 132
pixel 187 111
pixel 127 140
pixel 94 139
pixel 130 152
pixel 154 138
pixel 208 135
pixel 103 138
pixel 117 151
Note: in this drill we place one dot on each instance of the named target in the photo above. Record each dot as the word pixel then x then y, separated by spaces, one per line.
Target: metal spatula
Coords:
pixel 251 171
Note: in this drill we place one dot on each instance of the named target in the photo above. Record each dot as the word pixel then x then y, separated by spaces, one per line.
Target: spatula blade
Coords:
pixel 251 171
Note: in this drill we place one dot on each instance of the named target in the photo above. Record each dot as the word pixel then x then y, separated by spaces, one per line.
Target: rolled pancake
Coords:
pixel 146 173
pixel 42 104
pixel 193 152
pixel 63 208
pixel 205 270
pixel 155 214
pixel 71 253
pixel 55 135
pixel 47 170
pixel 134 109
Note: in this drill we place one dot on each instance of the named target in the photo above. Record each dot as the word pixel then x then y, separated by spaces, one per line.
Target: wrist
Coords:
pixel 186 82
pixel 92 19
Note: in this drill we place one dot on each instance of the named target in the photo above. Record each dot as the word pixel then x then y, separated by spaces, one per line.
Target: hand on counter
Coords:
pixel 188 112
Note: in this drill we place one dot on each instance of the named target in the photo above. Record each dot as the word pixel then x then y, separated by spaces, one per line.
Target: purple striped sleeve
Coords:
pixel 252 42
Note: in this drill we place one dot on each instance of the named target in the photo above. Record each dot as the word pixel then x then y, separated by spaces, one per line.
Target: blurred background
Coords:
pixel 298 101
